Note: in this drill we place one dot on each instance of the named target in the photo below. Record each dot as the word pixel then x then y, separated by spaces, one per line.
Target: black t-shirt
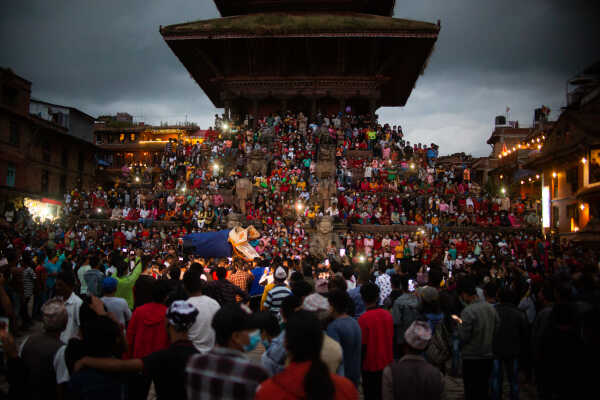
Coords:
pixel 143 290
pixel 167 369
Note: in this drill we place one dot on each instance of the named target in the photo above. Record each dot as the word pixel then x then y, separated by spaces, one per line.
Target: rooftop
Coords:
pixel 299 23
pixel 238 7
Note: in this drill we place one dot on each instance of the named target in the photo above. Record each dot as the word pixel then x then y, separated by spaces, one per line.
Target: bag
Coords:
pixel 438 351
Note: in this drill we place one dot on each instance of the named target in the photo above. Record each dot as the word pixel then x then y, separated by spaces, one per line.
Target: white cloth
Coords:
pixel 201 333
pixel 82 270
pixel 72 304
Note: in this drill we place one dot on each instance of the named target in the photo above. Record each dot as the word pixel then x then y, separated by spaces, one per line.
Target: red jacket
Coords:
pixel 289 384
pixel 147 331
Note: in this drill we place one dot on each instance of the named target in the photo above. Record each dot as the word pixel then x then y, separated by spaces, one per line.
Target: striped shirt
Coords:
pixel 275 297
pixel 28 282
pixel 223 373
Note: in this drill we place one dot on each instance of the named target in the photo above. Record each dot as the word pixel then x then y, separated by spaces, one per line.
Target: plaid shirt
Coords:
pixel 223 373
pixel 241 279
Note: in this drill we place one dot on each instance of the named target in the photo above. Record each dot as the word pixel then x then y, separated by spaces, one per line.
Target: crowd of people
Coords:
pixel 128 314
pixel 389 182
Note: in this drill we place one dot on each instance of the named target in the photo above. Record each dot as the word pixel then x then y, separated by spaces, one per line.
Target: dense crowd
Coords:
pixel 128 314
pixel 389 182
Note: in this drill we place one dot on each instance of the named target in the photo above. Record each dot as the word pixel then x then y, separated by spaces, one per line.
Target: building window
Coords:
pixel 63 184
pixel 555 217
pixel 11 174
pixel 14 133
pixel 64 159
pixel 99 139
pixel 80 162
pixel 45 178
pixel 132 137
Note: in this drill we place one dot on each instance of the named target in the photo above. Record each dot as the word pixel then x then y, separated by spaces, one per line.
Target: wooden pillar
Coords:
pixel 283 105
pixel 313 107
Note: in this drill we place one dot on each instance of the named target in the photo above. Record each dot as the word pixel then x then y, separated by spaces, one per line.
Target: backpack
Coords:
pixel 438 351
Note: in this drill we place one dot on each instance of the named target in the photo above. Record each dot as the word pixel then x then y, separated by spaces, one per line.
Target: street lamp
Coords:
pixel 503 190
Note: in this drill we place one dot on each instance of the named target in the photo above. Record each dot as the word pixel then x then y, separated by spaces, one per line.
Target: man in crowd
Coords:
pixel 412 377
pixel 200 333
pixel 65 285
pixel 37 370
pixel 166 368
pixel 224 372
pixel 477 325
pixel 377 328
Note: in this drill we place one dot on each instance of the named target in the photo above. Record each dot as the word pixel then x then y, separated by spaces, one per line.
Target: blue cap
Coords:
pixel 109 284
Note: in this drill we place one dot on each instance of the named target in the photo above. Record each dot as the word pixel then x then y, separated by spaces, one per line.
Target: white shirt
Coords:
pixel 82 270
pixel 73 304
pixel 201 333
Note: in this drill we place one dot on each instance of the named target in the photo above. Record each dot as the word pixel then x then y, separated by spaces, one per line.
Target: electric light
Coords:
pixel 583 160
pixel 537 176
pixel 554 174
pixel 412 166
pixel 137 178
pixel 361 258
pixel 99 210
pixel 503 190
pixel 522 182
pixel 225 127
pixel 582 206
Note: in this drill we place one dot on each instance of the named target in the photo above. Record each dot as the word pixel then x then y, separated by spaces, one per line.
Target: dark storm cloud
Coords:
pixel 108 56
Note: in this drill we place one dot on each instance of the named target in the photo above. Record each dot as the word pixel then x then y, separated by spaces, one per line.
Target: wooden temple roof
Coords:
pixel 238 7
pixel 300 24
pixel 307 50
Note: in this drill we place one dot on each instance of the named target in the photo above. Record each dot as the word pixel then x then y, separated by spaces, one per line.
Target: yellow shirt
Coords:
pixel 264 295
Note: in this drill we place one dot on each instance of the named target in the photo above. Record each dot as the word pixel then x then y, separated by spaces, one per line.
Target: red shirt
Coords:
pixel 377 327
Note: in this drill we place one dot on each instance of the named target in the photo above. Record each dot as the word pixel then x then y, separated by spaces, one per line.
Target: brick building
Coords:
pixel 42 155
pixel 569 163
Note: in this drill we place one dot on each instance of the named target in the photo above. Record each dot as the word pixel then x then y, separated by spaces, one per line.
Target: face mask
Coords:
pixel 254 338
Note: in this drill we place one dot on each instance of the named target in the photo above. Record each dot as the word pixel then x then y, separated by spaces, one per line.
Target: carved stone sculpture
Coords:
pixel 243 191
pixel 325 190
pixel 256 164
pixel 323 238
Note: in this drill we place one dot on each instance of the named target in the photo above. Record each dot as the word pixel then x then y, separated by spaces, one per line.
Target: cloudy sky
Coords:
pixel 108 56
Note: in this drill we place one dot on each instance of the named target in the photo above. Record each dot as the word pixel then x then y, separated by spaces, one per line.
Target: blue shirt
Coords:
pixel 53 269
pixel 347 333
pixel 255 288
pixel 359 305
